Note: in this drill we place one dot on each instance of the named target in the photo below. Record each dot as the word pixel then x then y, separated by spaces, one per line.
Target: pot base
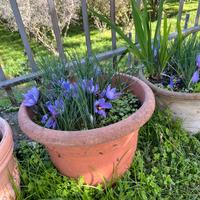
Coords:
pixel 97 164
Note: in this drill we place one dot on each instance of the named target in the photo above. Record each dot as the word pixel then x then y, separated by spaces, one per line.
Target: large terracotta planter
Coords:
pixel 98 154
pixel 185 106
pixel 8 166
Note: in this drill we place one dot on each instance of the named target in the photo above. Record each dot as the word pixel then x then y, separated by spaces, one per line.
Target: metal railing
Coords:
pixel 7 84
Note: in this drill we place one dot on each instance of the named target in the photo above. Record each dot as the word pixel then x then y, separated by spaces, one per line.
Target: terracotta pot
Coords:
pixel 98 154
pixel 185 106
pixel 8 165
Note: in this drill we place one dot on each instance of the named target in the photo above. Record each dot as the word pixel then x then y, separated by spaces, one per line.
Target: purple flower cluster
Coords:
pixel 101 105
pixel 69 91
pixel 89 86
pixel 55 109
pixel 195 76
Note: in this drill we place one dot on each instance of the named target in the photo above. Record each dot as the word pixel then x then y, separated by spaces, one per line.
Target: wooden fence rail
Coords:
pixel 8 84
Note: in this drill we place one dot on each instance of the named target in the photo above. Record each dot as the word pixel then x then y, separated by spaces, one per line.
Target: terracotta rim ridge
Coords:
pixel 93 136
pixel 165 92
pixel 6 144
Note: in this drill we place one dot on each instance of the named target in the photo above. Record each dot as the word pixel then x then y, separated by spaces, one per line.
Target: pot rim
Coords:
pixel 92 136
pixel 172 94
pixel 6 143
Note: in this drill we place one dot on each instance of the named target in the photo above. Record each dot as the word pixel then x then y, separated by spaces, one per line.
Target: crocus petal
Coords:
pixel 66 85
pixel 31 97
pixel 195 77
pixel 171 82
pixel 74 89
pixel 111 93
pixel 59 104
pixel 198 61
pixel 44 119
pixel 52 109
pixel 102 94
pixel 51 123
pixel 28 101
pixel 102 113
pixel 105 105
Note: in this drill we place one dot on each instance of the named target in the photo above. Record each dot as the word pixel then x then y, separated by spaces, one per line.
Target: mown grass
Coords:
pixel 14 62
pixel 165 167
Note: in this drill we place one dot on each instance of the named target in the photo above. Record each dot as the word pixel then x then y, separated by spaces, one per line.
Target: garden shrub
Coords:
pixel 123 12
pixel 36 18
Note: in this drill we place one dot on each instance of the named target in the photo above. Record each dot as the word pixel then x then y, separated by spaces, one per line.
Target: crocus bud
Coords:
pixel 198 61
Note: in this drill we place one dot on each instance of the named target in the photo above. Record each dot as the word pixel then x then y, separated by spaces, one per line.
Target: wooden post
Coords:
pixel 180 11
pixel 187 17
pixel 86 27
pixel 113 33
pixel 56 29
pixel 139 5
pixel 8 89
pixel 22 32
pixel 197 15
pixel 129 55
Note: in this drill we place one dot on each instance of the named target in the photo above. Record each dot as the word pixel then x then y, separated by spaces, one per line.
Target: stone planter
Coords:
pixel 8 166
pixel 183 105
pixel 97 154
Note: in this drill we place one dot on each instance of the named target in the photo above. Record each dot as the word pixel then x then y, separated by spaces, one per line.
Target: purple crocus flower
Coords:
pixel 56 108
pixel 51 123
pixel 171 82
pixel 66 85
pixel 52 109
pixel 89 86
pixel 44 119
pixel 100 106
pixel 74 89
pixel 83 84
pixel 195 77
pixel 111 93
pixel 103 94
pixel 198 61
pixel 31 97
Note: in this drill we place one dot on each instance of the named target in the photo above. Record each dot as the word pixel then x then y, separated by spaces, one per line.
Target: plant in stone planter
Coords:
pixel 170 68
pixel 152 54
pixel 88 118
pixel 9 175
pixel 182 74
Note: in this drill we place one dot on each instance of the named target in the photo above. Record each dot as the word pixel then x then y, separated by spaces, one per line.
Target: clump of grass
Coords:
pixel 166 166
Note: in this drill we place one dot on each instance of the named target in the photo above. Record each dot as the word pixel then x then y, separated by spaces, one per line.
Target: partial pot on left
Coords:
pixel 9 174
